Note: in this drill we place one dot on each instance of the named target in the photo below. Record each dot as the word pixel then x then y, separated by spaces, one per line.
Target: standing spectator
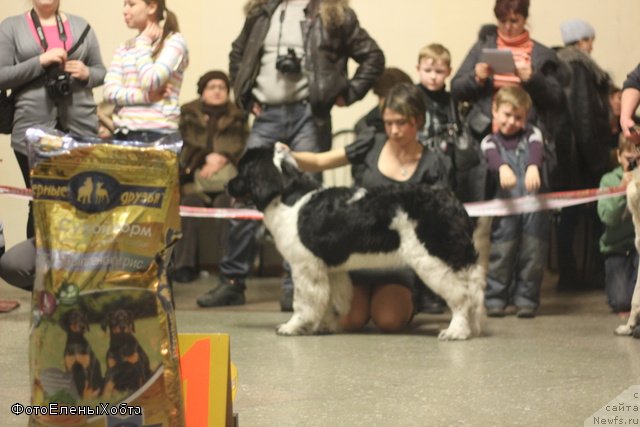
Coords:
pixel 519 243
pixel 288 67
pixel 146 72
pixel 441 129
pixel 34 48
pixel 214 133
pixel 537 72
pixel 628 105
pixel 615 104
pixel 388 79
pixel 618 240
pixel 589 132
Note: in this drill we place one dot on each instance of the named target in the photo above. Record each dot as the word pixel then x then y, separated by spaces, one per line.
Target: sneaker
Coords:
pixel 496 312
pixel 228 292
pixel 286 300
pixel 526 312
pixel 636 332
pixel 184 274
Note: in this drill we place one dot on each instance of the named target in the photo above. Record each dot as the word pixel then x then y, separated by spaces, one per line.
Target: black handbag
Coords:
pixel 467 152
pixel 7 110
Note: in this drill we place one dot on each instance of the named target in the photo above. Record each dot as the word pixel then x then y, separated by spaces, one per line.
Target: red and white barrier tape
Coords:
pixel 496 207
pixel 540 202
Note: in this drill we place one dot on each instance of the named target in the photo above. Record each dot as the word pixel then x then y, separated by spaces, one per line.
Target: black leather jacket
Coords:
pixel 328 47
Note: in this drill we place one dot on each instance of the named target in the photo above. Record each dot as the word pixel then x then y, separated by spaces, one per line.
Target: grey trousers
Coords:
pixel 18 265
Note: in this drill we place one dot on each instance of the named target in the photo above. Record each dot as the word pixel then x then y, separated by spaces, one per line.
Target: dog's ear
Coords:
pixel 85 318
pixel 64 321
pixel 265 180
pixel 238 187
pixel 131 320
pixel 105 321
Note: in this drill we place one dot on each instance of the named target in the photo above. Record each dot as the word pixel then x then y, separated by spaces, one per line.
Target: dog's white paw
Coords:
pixel 288 330
pixel 454 334
pixel 623 330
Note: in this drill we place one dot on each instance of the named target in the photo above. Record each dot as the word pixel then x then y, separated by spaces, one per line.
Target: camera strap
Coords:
pixel 80 40
pixel 282 15
pixel 40 31
pixel 281 18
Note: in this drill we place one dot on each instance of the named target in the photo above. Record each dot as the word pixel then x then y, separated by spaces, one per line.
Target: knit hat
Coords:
pixel 576 30
pixel 212 75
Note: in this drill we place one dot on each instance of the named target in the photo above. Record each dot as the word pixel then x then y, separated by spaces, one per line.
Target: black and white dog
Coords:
pixel 324 232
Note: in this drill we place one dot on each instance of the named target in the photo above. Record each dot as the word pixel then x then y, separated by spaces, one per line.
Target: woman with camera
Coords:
pixel 50 60
pixel 146 73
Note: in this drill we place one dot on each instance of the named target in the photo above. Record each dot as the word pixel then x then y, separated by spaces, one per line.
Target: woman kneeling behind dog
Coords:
pixel 387 297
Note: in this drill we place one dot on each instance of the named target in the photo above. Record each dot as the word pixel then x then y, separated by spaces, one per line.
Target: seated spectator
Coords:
pixel 18 264
pixel 617 241
pixel 214 133
pixel 397 157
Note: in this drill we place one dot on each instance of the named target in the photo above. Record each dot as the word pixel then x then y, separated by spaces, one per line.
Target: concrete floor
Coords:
pixel 555 370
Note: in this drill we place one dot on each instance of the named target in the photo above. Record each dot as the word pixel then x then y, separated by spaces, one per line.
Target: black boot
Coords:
pixel 228 292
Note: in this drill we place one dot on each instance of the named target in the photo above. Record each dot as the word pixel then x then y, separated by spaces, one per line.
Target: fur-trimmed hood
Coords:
pixel 573 54
pixel 332 12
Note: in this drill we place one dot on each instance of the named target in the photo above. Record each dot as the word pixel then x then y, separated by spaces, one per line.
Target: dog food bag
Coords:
pixel 103 340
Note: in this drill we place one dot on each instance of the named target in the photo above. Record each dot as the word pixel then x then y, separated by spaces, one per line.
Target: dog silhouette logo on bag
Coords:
pixel 93 191
pixel 90 192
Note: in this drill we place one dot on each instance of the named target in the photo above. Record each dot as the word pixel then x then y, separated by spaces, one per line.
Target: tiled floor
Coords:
pixel 554 370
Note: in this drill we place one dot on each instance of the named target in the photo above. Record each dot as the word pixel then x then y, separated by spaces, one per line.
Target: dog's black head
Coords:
pixel 119 322
pixel 266 173
pixel 75 321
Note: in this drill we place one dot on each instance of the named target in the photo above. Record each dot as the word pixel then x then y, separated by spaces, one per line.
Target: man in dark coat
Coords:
pixel 288 67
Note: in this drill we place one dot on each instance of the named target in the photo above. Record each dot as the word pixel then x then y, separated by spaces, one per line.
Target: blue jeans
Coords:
pixel 517 260
pixel 620 279
pixel 291 124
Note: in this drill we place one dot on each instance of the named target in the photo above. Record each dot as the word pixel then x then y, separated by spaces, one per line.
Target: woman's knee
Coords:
pixel 392 307
pixel 358 315
pixel 391 321
pixel 353 322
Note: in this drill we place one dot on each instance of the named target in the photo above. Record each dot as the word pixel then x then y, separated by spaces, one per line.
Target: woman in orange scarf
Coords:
pixel 537 70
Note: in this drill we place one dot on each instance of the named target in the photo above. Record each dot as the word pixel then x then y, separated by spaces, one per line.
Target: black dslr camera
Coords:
pixel 289 63
pixel 57 82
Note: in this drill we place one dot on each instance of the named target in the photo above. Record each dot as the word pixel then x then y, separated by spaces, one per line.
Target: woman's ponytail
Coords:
pixel 170 24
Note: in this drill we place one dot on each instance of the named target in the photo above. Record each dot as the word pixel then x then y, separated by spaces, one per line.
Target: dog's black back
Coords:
pixel 349 226
pixel 334 224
